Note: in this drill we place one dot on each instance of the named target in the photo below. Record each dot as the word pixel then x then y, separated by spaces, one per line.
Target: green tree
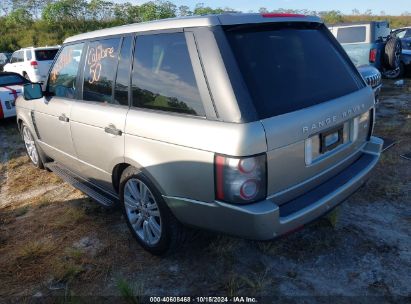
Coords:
pixel 200 9
pixel 100 10
pixel 331 17
pixel 19 17
pixel 64 10
pixel 184 10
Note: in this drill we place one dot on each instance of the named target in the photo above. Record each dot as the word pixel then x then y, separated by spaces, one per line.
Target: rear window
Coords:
pixel 356 34
pixel 43 55
pixel 291 67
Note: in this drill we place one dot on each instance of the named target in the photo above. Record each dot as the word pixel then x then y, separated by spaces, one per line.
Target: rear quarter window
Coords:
pixel 163 77
pixel 288 67
pixel 355 34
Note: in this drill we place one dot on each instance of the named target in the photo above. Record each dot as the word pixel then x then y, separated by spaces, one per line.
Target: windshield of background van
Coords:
pixel 290 66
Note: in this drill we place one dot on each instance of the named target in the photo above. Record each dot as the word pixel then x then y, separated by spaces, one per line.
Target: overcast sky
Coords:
pixel 393 7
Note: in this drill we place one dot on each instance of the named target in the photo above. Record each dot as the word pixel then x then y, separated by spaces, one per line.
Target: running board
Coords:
pixel 95 192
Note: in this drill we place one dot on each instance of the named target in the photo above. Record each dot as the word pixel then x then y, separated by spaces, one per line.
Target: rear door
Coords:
pixel 98 119
pixel 52 114
pixel 311 100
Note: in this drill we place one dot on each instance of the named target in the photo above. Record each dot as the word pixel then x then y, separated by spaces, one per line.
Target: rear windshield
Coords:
pixel 43 55
pixel 354 34
pixel 288 67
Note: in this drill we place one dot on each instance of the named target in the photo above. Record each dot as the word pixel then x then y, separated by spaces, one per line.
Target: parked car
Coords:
pixel 4 58
pixel 32 63
pixel 370 43
pixel 11 86
pixel 373 78
pixel 222 122
pixel 405 35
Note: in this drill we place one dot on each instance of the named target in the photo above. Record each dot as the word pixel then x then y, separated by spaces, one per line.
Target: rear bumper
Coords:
pixel 266 220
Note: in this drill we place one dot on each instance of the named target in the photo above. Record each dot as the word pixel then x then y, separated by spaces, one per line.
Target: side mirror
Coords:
pixel 32 91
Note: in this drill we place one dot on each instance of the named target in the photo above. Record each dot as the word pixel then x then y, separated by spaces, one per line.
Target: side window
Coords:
pixel 13 58
pixel 63 76
pixel 20 56
pixel 400 34
pixel 163 78
pixel 28 55
pixel 408 34
pixel 99 70
pixel 123 73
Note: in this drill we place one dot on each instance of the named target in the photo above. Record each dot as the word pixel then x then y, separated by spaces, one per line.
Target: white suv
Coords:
pixel 32 63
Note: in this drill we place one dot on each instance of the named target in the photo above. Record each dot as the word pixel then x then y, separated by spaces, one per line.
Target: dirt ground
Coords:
pixel 56 242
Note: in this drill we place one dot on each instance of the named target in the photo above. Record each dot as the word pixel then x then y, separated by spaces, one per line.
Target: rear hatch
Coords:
pixel 44 58
pixel 312 102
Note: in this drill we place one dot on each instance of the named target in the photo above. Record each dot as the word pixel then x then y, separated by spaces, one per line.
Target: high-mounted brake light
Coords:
pixel 373 55
pixel 34 64
pixel 281 15
pixel 240 180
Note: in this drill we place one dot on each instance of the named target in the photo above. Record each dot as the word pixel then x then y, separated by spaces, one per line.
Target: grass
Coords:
pixel 66 271
pixel 130 294
pixel 34 250
pixel 233 285
pixel 17 162
pixel 26 176
pixel 21 211
pixel 223 246
pixel 43 202
pixel 69 218
pixel 75 253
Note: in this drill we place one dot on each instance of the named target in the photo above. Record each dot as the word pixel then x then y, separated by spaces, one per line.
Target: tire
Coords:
pixel 32 149
pixel 140 215
pixel 392 54
pixel 398 73
pixel 26 76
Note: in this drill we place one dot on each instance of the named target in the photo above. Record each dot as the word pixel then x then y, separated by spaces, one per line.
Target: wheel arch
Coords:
pixel 119 168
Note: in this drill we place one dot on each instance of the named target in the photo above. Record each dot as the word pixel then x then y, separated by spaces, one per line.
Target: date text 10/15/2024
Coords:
pixel 176 299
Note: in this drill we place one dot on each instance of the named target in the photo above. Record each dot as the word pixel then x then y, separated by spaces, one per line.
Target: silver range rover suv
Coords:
pixel 246 124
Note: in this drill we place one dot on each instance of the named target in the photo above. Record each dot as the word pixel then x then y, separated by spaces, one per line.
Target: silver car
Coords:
pixel 245 124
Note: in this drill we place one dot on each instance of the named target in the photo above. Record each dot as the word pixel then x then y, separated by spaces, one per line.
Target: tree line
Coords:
pixel 48 22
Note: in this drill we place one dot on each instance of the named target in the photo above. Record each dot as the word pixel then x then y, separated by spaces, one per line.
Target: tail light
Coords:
pixel 240 180
pixel 373 55
pixel 1 111
pixel 34 64
pixel 362 125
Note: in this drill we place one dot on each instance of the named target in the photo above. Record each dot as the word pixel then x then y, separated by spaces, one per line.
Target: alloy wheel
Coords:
pixel 30 145
pixel 142 211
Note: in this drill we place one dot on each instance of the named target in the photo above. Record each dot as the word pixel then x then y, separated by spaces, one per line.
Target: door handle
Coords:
pixel 64 118
pixel 111 129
